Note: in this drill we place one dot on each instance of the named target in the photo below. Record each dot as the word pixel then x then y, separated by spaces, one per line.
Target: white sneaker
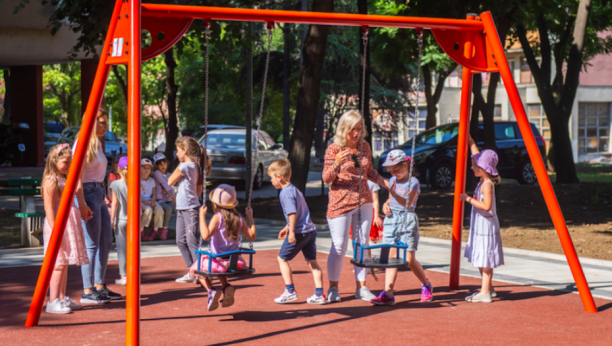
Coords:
pixel 286 297
pixel 187 279
pixel 333 295
pixel 71 304
pixel 57 307
pixel 364 293
pixel 315 299
pixel 493 293
pixel 480 298
pixel 122 281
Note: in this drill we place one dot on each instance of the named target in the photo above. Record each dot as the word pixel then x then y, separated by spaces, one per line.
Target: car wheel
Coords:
pixel 526 174
pixel 258 179
pixel 442 176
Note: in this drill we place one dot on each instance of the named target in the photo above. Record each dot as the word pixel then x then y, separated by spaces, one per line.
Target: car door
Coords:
pixel 509 148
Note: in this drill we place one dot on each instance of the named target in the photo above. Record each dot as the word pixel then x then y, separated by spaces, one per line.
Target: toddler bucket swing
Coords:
pixel 384 260
pixel 233 258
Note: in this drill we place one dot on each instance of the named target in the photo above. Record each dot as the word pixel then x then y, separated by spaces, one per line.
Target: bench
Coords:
pixel 31 221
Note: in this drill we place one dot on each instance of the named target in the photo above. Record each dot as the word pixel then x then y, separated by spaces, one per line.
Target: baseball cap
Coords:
pixel 145 162
pixel 395 156
pixel 159 157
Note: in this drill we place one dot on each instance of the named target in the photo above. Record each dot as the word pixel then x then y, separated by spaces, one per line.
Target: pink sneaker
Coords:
pixel 383 299
pixel 142 236
pixel 152 234
pixel 426 292
pixel 164 234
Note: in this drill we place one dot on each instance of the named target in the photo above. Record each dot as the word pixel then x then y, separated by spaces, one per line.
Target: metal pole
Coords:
pixel 538 165
pixel 249 114
pixel 132 303
pixel 72 180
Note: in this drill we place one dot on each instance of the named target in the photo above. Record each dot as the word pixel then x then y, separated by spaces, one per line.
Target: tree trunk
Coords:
pixel 320 129
pixel 122 82
pixel 288 45
pixel 308 96
pixel 362 7
pixel 477 105
pixel 172 134
pixel 433 98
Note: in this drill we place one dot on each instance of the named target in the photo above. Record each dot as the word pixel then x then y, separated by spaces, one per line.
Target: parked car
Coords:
pixel 53 129
pixel 227 149
pixel 199 133
pixel 436 149
pixel 112 144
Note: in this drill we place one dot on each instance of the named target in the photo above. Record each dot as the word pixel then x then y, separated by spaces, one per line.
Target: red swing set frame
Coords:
pixel 473 43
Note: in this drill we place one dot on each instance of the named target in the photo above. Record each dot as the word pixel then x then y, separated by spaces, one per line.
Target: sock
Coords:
pixel 319 292
pixel 290 288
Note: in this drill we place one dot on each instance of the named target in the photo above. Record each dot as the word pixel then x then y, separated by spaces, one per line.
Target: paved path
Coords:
pixel 522 267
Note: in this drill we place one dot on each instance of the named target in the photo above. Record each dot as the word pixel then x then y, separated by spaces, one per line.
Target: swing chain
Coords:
pixel 414 123
pixel 365 31
pixel 207 33
pixel 270 27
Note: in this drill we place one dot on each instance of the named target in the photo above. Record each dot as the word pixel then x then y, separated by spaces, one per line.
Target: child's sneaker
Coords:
pixel 364 293
pixel 57 307
pixel 315 299
pixel 71 304
pixel 493 293
pixel 213 299
pixel 187 279
pixel 426 292
pixel 164 234
pixel 480 298
pixel 286 297
pixel 152 235
pixel 333 295
pixel 383 299
pixel 142 236
pixel 122 281
pixel 94 298
pixel 228 296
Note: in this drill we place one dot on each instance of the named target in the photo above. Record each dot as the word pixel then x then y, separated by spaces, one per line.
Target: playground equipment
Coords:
pixel 472 42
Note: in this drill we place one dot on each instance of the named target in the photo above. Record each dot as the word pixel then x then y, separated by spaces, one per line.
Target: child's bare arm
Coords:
pixel 472 145
pixel 176 175
pixel 114 208
pixel 386 209
pixel 487 193
pixel 250 232
pixel 50 190
pixel 200 190
pixel 207 231
pixel 292 222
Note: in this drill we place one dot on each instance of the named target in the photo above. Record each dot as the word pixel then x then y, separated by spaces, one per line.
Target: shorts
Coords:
pixel 393 225
pixel 304 242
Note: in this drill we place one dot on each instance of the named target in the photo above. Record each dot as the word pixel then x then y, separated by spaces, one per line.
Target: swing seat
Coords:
pixel 383 261
pixel 232 270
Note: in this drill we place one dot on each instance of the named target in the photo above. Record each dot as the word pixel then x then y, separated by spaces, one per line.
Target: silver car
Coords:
pixel 227 148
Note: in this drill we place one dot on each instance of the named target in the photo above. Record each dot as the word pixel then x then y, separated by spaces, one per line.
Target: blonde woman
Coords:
pixel 98 233
pixel 343 162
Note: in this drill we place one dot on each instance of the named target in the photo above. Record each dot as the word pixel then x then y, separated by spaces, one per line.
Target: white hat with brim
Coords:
pixel 224 196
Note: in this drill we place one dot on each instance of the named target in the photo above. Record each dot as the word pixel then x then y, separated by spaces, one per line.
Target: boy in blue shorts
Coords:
pixel 300 234
pixel 394 229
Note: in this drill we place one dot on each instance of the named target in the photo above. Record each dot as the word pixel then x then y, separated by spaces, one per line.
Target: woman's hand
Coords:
pixel 342 157
pixel 86 213
pixel 378 221
pixel 463 197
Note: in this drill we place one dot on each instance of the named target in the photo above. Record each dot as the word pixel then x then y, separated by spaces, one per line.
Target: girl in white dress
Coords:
pixel 484 247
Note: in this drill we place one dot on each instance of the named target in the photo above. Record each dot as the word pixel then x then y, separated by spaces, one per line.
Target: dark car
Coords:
pixel 113 146
pixel 436 149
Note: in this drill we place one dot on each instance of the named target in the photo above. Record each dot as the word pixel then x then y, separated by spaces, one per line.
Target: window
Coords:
pixel 593 127
pixel 378 144
pixel 504 131
pixel 525 71
pixel 497 112
pixel 538 118
pixel 421 123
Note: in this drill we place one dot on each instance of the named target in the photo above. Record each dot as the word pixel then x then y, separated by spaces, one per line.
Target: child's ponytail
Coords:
pixel 204 163
pixel 496 179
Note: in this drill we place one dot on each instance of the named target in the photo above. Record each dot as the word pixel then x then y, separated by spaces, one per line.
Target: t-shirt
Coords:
pixel 187 194
pixel 120 188
pixel 373 186
pixel 94 171
pixel 146 189
pixel 293 201
pixel 402 189
pixel 162 184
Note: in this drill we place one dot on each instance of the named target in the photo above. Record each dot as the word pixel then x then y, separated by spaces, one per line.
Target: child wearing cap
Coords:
pixel 300 234
pixel 150 209
pixel 484 246
pixel 165 194
pixel 402 224
pixel 119 216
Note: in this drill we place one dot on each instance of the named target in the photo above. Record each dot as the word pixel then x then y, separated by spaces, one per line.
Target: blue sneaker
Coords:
pixel 213 299
pixel 383 299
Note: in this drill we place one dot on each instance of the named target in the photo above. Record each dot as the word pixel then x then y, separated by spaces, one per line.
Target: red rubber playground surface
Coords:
pixel 175 314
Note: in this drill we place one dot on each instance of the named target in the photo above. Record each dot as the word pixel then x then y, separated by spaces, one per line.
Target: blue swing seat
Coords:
pixel 233 263
pixel 383 261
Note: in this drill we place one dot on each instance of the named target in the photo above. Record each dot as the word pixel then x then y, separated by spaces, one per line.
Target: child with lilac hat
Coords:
pixel 484 246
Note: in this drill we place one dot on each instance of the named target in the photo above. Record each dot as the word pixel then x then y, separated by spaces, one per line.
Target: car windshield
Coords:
pixel 226 140
pixel 438 135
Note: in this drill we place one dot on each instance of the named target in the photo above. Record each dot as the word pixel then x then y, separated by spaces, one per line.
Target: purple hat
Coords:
pixel 123 162
pixel 487 160
pixel 396 156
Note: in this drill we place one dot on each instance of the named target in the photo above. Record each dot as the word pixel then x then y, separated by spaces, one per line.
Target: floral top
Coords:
pixel 344 189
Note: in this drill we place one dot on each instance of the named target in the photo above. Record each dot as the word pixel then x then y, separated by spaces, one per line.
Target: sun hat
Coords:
pixel 145 162
pixel 224 196
pixel 396 156
pixel 123 162
pixel 159 157
pixel 487 160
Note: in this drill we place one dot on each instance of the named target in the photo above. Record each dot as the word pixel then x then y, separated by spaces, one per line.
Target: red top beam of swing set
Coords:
pixel 299 17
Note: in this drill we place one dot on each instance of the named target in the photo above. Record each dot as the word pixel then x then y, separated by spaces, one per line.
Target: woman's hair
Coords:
pixel 496 179
pixel 197 153
pixel 94 142
pixel 347 122
pixel 231 218
pixel 115 162
pixel 57 153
